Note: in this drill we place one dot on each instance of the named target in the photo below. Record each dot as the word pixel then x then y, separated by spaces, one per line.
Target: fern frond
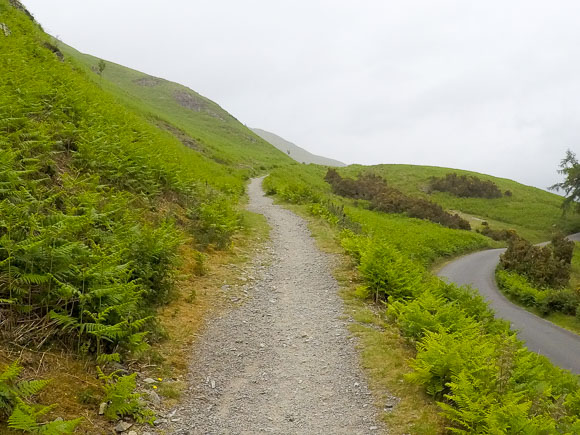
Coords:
pixel 108 358
pixel 10 373
pixel 30 388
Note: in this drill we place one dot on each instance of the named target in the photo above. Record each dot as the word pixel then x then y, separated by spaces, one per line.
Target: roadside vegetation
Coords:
pixel 471 364
pixel 545 279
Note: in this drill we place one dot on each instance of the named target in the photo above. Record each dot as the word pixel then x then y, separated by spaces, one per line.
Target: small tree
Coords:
pixel 570 167
pixel 101 67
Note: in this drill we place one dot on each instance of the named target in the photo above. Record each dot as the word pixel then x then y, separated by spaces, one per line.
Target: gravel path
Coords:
pixel 283 362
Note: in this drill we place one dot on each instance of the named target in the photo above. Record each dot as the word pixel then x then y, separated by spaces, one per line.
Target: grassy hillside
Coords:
pixel 197 121
pixel 294 151
pixel 107 213
pixel 533 212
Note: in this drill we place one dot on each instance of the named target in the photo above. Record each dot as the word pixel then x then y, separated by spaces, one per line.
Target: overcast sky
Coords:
pixel 490 86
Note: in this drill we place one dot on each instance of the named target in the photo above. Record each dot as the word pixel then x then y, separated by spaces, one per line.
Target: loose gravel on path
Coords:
pixel 284 361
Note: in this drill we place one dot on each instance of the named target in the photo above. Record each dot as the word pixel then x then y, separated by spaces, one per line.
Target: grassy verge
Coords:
pixel 385 355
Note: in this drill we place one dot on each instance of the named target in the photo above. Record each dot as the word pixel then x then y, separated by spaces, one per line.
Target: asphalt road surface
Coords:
pixel 562 347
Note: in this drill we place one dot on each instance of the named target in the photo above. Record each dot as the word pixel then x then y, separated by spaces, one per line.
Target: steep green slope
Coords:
pixel 533 212
pixel 98 209
pixel 197 121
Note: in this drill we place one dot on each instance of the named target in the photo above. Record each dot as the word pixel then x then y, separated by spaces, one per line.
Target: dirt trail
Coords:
pixel 284 361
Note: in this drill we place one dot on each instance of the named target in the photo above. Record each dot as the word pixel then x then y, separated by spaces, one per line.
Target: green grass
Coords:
pixel 420 240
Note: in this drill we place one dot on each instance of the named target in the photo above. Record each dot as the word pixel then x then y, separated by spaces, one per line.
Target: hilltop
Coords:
pixel 297 153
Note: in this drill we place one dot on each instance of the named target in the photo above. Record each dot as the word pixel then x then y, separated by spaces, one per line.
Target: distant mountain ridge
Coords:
pixel 297 153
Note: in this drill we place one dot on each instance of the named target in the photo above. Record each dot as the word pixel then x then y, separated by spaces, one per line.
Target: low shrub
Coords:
pixel 545 299
pixel 466 186
pixel 545 266
pixel 121 398
pixel 498 235
pixel 429 313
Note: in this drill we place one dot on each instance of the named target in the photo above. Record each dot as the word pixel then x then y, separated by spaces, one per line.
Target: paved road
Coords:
pixel 541 336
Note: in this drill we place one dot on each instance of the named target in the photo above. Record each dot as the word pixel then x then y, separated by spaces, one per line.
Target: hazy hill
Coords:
pixel 294 151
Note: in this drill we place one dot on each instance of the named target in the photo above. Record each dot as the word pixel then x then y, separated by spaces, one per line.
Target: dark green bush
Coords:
pixel 467 186
pixel 545 266
pixel 499 235
pixel 545 299
pixel 560 300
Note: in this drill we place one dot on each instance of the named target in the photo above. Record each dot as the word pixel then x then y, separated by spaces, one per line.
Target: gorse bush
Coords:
pixel 466 186
pixel 499 235
pixel 542 265
pixel 388 200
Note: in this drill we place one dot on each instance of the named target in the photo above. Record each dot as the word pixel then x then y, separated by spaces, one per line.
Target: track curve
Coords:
pixel 562 347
